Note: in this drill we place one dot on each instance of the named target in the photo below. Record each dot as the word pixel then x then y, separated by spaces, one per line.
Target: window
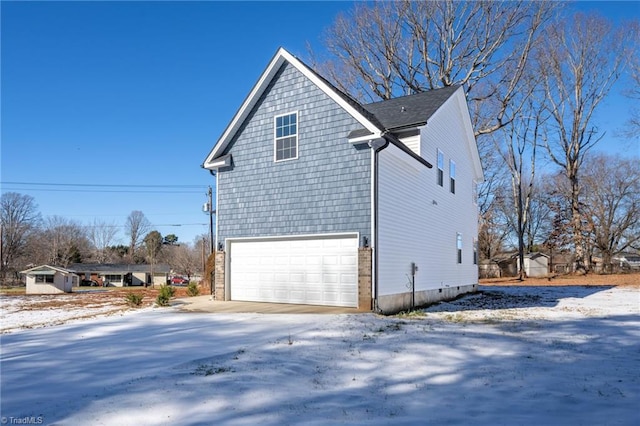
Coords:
pixel 475 251
pixel 440 168
pixel 286 137
pixel 44 279
pixel 452 176
pixel 459 246
pixel 113 278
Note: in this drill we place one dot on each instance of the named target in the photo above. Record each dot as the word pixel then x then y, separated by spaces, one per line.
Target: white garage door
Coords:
pixel 312 271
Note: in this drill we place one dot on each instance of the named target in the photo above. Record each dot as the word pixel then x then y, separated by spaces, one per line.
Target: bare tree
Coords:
pixel 66 241
pixel 612 204
pixel 633 124
pixel 102 235
pixel 187 259
pixel 19 217
pixel 136 227
pixel 153 244
pixel 579 61
pixel 387 49
pixel 517 143
pixel 390 49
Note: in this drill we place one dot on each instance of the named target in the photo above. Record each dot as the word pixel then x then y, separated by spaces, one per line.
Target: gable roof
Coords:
pixel 45 269
pixel 281 57
pixel 411 110
pixel 116 267
pixel 378 119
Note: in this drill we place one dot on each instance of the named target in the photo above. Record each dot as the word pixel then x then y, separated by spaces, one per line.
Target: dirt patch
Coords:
pixel 564 280
pixel 20 311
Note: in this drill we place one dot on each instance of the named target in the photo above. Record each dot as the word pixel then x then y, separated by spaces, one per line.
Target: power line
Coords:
pixel 101 191
pixel 103 185
pixel 100 188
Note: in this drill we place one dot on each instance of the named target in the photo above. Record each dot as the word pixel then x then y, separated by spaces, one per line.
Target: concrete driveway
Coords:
pixel 205 304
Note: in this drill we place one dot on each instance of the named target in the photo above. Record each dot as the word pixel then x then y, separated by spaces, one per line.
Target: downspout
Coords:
pixel 376 145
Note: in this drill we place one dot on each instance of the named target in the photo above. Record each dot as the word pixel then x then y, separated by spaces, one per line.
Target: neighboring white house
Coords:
pixel 629 261
pixel 322 200
pixel 47 279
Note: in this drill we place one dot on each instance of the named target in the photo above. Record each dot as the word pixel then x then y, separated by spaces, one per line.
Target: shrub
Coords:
pixel 134 299
pixel 193 290
pixel 165 294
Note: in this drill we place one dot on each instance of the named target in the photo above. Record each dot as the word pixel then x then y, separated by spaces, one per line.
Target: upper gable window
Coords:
pixel 440 168
pixel 286 137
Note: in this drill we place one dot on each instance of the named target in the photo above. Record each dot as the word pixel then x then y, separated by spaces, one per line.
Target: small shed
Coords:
pixel 47 279
pixel 536 264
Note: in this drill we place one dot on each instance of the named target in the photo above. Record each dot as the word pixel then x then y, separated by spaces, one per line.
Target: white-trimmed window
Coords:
pixel 44 279
pixel 440 168
pixel 452 176
pixel 286 137
pixel 459 246
pixel 475 251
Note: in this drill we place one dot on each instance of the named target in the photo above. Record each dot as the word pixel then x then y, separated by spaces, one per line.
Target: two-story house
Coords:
pixel 324 201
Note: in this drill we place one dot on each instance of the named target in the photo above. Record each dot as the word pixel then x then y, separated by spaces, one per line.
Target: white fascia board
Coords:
pixel 215 164
pixel 471 139
pixel 246 107
pixel 366 138
pixel 280 57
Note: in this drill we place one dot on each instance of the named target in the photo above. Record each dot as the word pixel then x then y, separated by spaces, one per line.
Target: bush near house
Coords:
pixel 164 295
pixel 134 299
pixel 193 290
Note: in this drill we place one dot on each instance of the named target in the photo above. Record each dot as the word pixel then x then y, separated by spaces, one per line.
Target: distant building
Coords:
pixel 47 279
pixel 122 275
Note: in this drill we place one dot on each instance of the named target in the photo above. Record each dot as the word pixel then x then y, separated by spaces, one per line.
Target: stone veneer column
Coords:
pixel 364 279
pixel 219 275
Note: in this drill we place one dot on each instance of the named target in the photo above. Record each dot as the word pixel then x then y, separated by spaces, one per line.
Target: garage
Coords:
pixel 318 270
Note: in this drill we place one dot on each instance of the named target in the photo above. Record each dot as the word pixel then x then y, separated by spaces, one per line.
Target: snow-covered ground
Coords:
pixel 506 356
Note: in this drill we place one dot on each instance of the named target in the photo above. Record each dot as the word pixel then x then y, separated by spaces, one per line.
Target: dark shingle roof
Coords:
pixel 118 268
pixel 411 110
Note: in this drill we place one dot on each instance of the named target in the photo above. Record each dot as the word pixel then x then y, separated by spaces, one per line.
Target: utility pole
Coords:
pixel 211 212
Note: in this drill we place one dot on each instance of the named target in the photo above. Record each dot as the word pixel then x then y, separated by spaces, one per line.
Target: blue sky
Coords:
pixel 137 93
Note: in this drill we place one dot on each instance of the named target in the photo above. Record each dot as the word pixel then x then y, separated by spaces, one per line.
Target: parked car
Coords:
pixel 179 281
pixel 89 283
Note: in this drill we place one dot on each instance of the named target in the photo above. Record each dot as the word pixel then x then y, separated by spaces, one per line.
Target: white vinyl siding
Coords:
pixel 416 222
pixel 412 142
pixel 319 270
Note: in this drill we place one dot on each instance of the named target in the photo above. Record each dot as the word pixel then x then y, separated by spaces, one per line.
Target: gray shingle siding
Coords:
pixel 325 190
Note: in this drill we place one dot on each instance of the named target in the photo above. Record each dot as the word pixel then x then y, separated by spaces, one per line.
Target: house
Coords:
pixel 47 279
pixel 627 261
pixel 122 275
pixel 322 200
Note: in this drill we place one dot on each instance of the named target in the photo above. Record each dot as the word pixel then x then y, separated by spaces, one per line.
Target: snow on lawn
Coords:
pixel 508 355
pixel 34 311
